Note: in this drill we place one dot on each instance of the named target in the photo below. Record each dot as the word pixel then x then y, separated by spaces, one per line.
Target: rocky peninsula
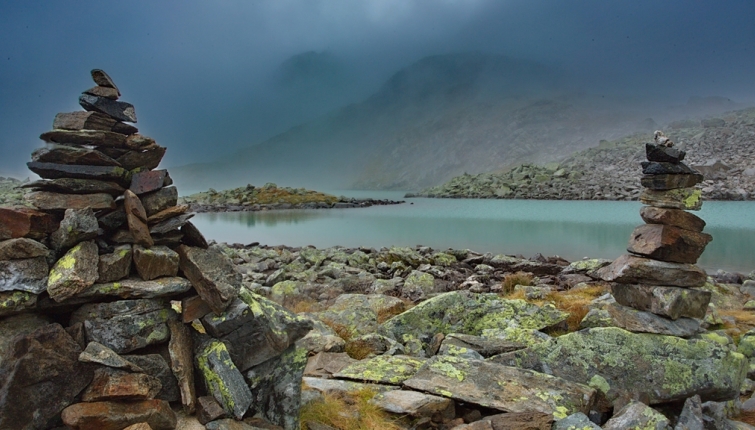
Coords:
pixel 720 148
pixel 272 197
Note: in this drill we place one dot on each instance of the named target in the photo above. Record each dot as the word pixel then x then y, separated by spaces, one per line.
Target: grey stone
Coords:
pixel 575 421
pixel 181 354
pixel 691 417
pixel 115 174
pixel 171 224
pixel 114 266
pixel 415 404
pixel 121 111
pixel 16 302
pixel 212 274
pixel 159 200
pixel 155 262
pixel 100 354
pixel 21 248
pixel 629 269
pixel 134 288
pixel 383 369
pixel 223 380
pixel 637 415
pixel 671 302
pixel 77 186
pixel 28 274
pixel 74 272
pixel 77 226
pixel 156 366
pixel 646 322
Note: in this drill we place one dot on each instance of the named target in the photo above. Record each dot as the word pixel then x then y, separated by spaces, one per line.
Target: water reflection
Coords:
pixel 572 230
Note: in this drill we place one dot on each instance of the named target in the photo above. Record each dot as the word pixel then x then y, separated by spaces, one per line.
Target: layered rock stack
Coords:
pixel 110 299
pixel 655 284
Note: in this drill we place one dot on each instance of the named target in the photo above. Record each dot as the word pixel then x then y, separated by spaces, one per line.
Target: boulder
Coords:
pixel 148 181
pixel 629 269
pixel 504 388
pixel 25 222
pixel 47 201
pixel 672 217
pixel 83 121
pixel 77 226
pixel 223 380
pixel 212 274
pixel 28 274
pixel 325 364
pixel 40 375
pixel 468 313
pixel 118 415
pixel 76 186
pixel 659 368
pixel 681 198
pixel 74 272
pixel 418 285
pixel 112 384
pixel 62 154
pixel 671 302
pixel 121 111
pixel 668 243
pixel 383 369
pixel 646 322
pixel 136 217
pixel 159 200
pixel 125 325
pixel 155 262
pixel 115 265
pixel 636 415
pixel 276 387
pixel 180 349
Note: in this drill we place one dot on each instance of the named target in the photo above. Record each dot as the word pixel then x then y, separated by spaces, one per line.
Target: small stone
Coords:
pixel 121 111
pixel 670 182
pixel 167 214
pixel 138 141
pixel 193 237
pixel 156 365
pixel 103 80
pixel 680 198
pixel 637 415
pixel 124 128
pixel 159 200
pixel 113 220
pixel 25 222
pixel 62 154
pixel 148 181
pixel 223 380
pixel 85 137
pixel 19 248
pixel 83 121
pixel 77 226
pixel 118 415
pixel 155 262
pixel 171 224
pixel 575 421
pixel 112 384
pixel 672 217
pixel 670 302
pixel 629 269
pixel 99 91
pixel 208 409
pixel 181 353
pixel 212 274
pixel 147 158
pixel 16 302
pixel 77 186
pixel 668 243
pixel 691 417
pixel 98 353
pixel 116 265
pixel 193 308
pixel 47 201
pixel 646 322
pixel 136 217
pixel 663 154
pixel 74 272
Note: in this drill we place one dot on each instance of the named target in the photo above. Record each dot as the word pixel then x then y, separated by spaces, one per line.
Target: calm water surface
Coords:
pixel 571 229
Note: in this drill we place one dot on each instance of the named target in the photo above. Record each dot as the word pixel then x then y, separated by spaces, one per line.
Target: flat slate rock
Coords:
pixel 121 111
pixel 672 217
pixel 383 369
pixel 668 243
pixel 14 249
pixel 171 224
pixel 77 226
pixel 171 212
pixel 148 181
pixel 663 154
pixel 140 289
pixel 670 302
pixel 159 200
pixel 155 262
pixel 670 182
pixel 666 168
pixel 499 387
pixel 16 302
pixel 646 322
pixel 112 384
pixel 77 186
pixel 180 349
pixel 26 222
pixel 82 120
pixel 156 365
pixel 223 380
pixel 629 269
pixel 212 274
pixel 115 174
pixel 681 198
pixel 28 274
pixel 118 415
pixel 415 404
pixel 45 200
pixel 62 154
pixel 74 272
pixel 40 375
pixel 85 137
pixel 100 91
pixel 147 158
pixel 193 237
pixel 98 353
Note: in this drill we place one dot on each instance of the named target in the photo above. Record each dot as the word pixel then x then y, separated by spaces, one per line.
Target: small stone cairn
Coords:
pixel 97 328
pixel 655 284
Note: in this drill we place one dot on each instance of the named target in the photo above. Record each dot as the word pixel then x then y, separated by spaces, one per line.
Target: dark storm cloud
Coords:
pixel 200 72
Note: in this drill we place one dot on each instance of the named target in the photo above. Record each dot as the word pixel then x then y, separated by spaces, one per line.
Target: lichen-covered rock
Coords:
pixel 125 325
pixel 486 346
pixel 325 364
pixel 575 421
pixel 40 375
pixel 379 303
pixel 637 415
pixel 74 272
pixel 418 285
pixel 223 380
pixel 468 313
pixel 646 322
pixel 321 339
pixel 661 368
pixel 516 335
pixel 138 289
pixel 276 387
pixel 691 417
pixel 116 265
pixel 504 388
pixel 16 302
pixel 155 262
pixel 681 198
pixel 28 274
pixel 408 256
pixel 382 369
pixel 212 274
pixel 77 226
pixel 356 321
pixel 671 302
pixel 746 345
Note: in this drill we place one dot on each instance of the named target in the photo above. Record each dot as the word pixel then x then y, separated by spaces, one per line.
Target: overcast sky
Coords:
pixel 196 69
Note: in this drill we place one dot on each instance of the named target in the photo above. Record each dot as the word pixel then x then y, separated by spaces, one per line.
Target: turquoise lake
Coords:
pixel 571 229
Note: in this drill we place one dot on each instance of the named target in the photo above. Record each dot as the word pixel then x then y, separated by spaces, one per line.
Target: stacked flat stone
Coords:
pixel 90 278
pixel 655 285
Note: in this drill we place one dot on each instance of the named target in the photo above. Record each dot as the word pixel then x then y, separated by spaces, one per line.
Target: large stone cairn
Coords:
pixel 655 285
pixel 111 301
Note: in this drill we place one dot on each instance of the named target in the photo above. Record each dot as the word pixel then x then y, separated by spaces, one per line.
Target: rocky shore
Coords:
pixel 272 197
pixel 719 148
